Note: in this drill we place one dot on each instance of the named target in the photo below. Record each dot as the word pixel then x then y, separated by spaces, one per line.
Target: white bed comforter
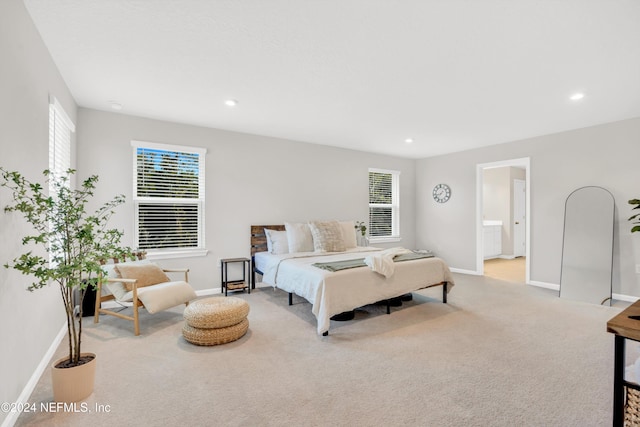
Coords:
pixel 331 293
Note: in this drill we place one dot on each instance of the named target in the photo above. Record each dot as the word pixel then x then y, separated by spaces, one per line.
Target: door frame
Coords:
pixel 516 182
pixel 521 162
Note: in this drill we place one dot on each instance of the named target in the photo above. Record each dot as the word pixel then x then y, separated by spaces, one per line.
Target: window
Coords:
pixel 168 196
pixel 384 205
pixel 60 129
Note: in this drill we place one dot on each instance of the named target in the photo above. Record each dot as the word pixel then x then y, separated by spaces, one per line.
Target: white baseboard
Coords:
pixel 12 417
pixel 507 256
pixel 621 297
pixel 545 285
pixel 553 286
pixel 204 292
pixel 463 271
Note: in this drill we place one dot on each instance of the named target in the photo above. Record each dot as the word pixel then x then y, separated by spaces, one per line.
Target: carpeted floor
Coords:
pixel 498 354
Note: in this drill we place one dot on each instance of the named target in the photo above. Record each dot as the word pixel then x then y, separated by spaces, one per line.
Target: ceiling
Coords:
pixel 361 74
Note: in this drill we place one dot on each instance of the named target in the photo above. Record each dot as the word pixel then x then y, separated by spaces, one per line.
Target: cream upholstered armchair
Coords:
pixel 141 284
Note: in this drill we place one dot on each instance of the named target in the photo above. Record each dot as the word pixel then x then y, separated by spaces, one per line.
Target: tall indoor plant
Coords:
pixel 74 242
pixel 635 218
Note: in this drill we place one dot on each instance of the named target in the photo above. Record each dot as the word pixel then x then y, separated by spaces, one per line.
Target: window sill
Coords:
pixel 392 239
pixel 187 253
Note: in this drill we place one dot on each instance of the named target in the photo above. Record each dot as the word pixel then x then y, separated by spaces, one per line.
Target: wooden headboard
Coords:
pixel 259 239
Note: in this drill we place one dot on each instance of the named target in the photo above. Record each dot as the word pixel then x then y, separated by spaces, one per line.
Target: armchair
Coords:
pixel 141 284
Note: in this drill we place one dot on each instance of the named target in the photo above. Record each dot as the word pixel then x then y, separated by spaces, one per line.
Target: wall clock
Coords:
pixel 441 193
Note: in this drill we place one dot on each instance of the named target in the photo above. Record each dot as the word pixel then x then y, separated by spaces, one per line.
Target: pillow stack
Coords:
pixel 314 236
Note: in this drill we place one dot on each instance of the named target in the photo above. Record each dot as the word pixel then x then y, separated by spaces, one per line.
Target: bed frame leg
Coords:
pixel 444 293
pixel 325 333
pixel 388 306
pixel 290 298
pixel 253 272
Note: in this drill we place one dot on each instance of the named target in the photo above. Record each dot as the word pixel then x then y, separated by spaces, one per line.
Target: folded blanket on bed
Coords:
pixel 382 262
pixel 340 265
pixel 360 262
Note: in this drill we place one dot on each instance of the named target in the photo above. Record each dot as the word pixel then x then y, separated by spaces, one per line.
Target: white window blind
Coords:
pixel 168 194
pixel 384 204
pixel 60 129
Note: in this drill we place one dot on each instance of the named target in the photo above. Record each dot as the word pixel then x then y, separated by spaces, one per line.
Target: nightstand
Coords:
pixel 236 284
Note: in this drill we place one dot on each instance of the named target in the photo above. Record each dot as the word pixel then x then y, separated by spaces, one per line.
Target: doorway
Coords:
pixel 502 220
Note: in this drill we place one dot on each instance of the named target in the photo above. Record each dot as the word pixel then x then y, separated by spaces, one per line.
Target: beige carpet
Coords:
pixel 498 354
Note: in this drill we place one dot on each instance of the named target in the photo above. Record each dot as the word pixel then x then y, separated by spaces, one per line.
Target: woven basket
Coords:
pixel 215 336
pixel 216 312
pixel 632 408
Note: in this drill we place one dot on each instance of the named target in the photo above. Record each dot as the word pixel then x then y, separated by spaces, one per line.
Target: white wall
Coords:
pixel 605 155
pixel 29 322
pixel 250 179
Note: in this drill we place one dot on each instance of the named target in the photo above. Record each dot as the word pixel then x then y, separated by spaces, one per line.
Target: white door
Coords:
pixel 519 217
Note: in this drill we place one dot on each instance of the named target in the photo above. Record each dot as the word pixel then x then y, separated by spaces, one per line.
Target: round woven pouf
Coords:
pixel 215 336
pixel 217 320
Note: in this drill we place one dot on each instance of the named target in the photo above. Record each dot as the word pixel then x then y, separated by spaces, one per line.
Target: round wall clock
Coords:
pixel 441 193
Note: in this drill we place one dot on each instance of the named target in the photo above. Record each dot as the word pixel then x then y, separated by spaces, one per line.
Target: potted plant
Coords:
pixel 74 242
pixel 635 218
pixel 362 228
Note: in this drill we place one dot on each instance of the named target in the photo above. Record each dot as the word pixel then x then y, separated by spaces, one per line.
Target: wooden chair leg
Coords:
pixel 136 322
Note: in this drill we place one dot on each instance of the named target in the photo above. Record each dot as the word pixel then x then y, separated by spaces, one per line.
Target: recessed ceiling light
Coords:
pixel 576 96
pixel 409 140
pixel 115 105
pixel 231 102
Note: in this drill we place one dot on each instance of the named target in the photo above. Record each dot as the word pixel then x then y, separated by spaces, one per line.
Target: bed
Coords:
pixel 334 292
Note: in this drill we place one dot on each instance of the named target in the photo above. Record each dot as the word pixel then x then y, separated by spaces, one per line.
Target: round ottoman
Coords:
pixel 217 320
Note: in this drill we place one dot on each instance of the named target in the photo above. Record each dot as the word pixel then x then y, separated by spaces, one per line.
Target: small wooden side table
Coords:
pixel 625 325
pixel 225 284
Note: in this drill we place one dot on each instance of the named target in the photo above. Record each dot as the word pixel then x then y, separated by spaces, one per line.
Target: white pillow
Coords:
pixel 349 234
pixel 327 236
pixel 299 237
pixel 276 241
pixel 118 289
pixel 166 295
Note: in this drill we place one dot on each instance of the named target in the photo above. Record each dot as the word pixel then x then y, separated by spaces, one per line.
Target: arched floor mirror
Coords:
pixel 587 249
